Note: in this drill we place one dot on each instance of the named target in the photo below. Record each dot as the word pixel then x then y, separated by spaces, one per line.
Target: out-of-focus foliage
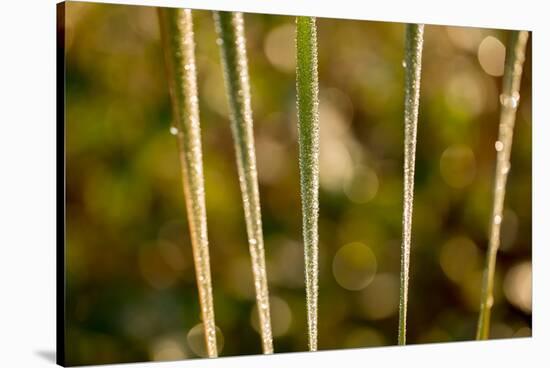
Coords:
pixel 131 292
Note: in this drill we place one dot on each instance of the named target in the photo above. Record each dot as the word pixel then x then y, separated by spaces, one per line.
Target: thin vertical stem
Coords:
pixel 230 29
pixel 414 37
pixel 307 88
pixel 509 99
pixel 179 47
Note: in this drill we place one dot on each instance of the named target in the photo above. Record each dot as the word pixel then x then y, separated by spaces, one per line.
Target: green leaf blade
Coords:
pixel 307 88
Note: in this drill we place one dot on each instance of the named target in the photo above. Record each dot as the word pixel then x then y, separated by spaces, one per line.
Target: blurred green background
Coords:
pixel 131 293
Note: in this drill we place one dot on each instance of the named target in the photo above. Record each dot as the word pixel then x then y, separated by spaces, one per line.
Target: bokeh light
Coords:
pixel 197 343
pixel 168 348
pixel 279 47
pixel 354 266
pixel 363 186
pixel 467 38
pixel 281 316
pixel 364 337
pixel 508 230
pixel 459 258
pixel 523 332
pixel 491 54
pixel 518 286
pixel 467 91
pixel 500 331
pixel 380 299
pixel 156 267
pixel 335 159
pixel 458 166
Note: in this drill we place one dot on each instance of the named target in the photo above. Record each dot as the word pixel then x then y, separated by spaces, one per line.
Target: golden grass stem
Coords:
pixel 179 48
pixel 232 41
pixel 509 101
pixel 414 38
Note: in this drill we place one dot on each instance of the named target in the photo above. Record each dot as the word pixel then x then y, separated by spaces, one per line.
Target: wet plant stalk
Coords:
pixel 230 29
pixel 179 48
pixel 414 36
pixel 307 91
pixel 509 99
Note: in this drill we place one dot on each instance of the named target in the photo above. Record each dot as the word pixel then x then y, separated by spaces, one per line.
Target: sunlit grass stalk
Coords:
pixel 230 29
pixel 307 91
pixel 509 99
pixel 414 37
pixel 179 48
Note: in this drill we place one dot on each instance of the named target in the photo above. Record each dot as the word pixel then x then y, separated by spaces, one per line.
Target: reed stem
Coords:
pixel 414 37
pixel 307 88
pixel 509 100
pixel 179 48
pixel 230 29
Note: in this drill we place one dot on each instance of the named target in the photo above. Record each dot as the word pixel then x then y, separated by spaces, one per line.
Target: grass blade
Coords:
pixel 179 47
pixel 230 29
pixel 509 99
pixel 414 37
pixel 307 88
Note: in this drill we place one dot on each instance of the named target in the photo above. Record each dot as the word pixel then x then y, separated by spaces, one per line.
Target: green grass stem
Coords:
pixel 414 37
pixel 307 91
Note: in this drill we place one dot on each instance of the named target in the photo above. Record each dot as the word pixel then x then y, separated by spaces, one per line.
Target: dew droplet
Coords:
pixel 497 219
pixel 510 101
pixel 490 301
pixel 499 146
pixel 174 130
pixel 515 99
pixel 403 63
